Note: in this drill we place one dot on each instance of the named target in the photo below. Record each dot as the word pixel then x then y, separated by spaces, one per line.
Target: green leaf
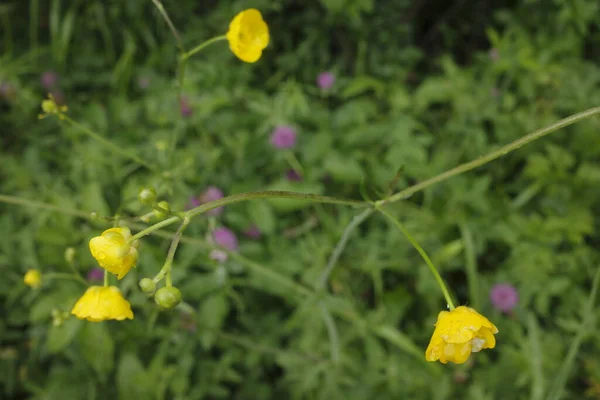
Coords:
pixel 363 84
pixel 61 336
pixel 212 314
pixel 93 199
pixel 261 213
pixel 97 347
pixel 343 169
pixel 132 380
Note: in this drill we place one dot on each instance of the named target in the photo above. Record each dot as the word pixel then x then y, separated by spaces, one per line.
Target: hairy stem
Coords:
pixel 164 14
pixel 341 245
pixel 166 269
pixel 424 255
pixel 502 151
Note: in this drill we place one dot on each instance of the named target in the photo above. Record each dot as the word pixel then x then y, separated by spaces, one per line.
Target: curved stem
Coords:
pixel 201 46
pixel 166 269
pixel 44 206
pixel 478 162
pixel 165 16
pixel 339 248
pixel 236 198
pixel 334 340
pixel 424 255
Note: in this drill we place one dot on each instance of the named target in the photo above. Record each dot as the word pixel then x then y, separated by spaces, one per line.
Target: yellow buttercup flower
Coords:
pixel 33 278
pixel 49 107
pixel 100 303
pixel 458 333
pixel 248 35
pixel 114 252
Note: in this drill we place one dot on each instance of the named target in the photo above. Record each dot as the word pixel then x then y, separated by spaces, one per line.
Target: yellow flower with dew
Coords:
pixel 458 333
pixel 101 303
pixel 33 278
pixel 248 35
pixel 114 250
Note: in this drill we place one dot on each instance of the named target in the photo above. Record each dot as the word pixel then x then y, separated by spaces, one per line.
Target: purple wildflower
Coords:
pixel 184 107
pixel 504 297
pixel 212 193
pixel 283 137
pixel 49 79
pixel 325 80
pixel 293 176
pixel 95 274
pixel 225 238
pixel 253 232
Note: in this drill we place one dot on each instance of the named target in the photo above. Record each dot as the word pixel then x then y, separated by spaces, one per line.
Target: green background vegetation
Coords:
pixel 422 85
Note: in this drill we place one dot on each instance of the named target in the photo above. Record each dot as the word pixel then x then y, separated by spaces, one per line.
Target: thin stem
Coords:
pixel 424 255
pixel 478 162
pixel 107 143
pixel 236 198
pixel 340 246
pixel 334 341
pixel 164 14
pixel 294 163
pixel 44 206
pixel 471 265
pixel 166 269
pixel 155 227
pixel 105 278
pixel 201 46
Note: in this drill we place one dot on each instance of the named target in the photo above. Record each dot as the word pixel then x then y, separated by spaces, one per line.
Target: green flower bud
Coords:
pixel 164 205
pixel 147 285
pixel 147 196
pixel 167 297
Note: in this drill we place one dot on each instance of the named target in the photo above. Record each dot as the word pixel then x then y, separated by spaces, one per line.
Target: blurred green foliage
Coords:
pixel 420 86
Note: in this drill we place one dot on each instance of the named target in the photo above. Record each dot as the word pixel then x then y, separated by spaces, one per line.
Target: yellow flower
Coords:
pixel 114 252
pixel 100 303
pixel 49 106
pixel 248 35
pixel 33 278
pixel 458 333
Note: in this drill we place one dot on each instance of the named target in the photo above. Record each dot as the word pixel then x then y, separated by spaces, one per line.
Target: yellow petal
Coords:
pixel 100 303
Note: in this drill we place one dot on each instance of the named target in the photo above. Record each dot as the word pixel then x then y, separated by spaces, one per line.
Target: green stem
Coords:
pixel 105 278
pixel 471 265
pixel 334 341
pixel 165 16
pixel 294 163
pixel 403 194
pixel 201 46
pixel 340 246
pixel 166 269
pixel 43 206
pixel 236 198
pixel 424 255
pixel 106 142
